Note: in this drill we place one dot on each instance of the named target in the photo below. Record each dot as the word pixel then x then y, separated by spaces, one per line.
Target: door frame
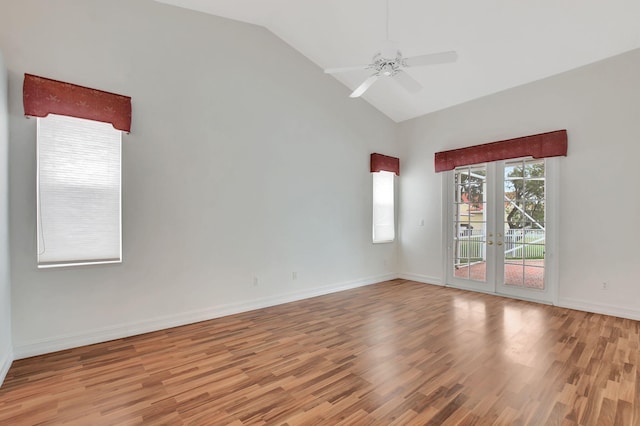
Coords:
pixel 550 294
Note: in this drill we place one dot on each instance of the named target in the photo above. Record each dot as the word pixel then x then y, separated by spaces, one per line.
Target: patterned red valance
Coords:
pixel 384 163
pixel 551 144
pixel 42 96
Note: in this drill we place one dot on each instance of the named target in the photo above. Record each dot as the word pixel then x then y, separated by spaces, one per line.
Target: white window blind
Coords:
pixel 79 212
pixel 383 207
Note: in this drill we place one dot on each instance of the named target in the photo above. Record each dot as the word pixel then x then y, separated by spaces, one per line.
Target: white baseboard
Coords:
pixel 38 347
pixel 420 278
pixel 62 342
pixel 580 305
pixel 599 308
pixel 5 364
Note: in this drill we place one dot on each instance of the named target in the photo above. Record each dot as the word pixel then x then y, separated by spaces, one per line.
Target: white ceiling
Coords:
pixel 500 43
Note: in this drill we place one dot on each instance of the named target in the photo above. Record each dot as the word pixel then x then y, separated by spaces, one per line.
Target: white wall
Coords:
pixel 244 160
pixel 598 211
pixel 6 350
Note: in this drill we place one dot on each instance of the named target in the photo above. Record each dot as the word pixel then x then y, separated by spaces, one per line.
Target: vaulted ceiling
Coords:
pixel 500 43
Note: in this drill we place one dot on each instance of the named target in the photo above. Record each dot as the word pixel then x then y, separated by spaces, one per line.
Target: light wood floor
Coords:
pixel 398 352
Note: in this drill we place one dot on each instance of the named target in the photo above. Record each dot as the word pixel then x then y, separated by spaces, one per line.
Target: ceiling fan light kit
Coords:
pixel 390 63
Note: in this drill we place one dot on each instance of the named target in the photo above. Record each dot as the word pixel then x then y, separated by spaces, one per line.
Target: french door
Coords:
pixel 497 237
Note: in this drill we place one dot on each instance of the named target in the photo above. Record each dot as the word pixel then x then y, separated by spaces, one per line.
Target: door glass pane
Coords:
pixel 514 273
pixel 534 276
pixel 524 223
pixel 469 209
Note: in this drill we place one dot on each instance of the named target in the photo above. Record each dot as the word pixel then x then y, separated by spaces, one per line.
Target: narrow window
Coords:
pixel 383 207
pixel 78 198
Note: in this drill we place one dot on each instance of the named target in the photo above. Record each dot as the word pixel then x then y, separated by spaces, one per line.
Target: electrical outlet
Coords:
pixel 255 281
pixel 604 285
pixel 294 275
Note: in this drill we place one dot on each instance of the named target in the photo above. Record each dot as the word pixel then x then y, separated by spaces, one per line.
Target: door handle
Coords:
pixel 490 242
pixel 499 243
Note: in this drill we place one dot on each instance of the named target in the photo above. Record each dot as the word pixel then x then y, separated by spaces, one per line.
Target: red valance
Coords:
pixel 384 163
pixel 42 96
pixel 551 144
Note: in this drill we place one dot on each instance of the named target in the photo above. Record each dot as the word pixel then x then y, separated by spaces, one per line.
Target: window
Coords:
pixel 78 172
pixel 383 207
pixel 79 198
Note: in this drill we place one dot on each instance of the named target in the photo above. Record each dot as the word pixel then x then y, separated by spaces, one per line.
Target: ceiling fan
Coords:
pixel 388 62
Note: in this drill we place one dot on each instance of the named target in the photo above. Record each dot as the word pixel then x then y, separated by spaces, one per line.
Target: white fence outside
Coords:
pixel 527 243
pixel 472 244
pixel 518 243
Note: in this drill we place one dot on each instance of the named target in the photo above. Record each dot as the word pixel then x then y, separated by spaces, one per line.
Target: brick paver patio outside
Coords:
pixel 531 275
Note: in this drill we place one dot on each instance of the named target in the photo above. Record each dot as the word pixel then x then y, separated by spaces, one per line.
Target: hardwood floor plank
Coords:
pixel 398 352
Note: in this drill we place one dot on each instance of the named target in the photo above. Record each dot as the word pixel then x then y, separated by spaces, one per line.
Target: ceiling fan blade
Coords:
pixel 409 83
pixel 364 86
pixel 430 59
pixel 345 69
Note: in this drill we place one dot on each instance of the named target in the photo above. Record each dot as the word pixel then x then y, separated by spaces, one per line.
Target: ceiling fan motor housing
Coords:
pixel 385 66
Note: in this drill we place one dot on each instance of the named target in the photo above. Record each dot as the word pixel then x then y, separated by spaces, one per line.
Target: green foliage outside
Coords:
pixel 524 187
